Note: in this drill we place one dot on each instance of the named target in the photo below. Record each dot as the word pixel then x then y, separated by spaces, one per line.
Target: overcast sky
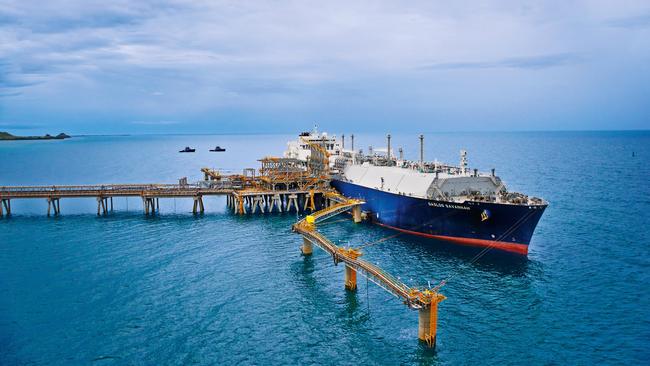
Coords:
pixel 254 66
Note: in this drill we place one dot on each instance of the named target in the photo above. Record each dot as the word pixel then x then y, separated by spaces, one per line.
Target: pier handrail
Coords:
pixel 95 187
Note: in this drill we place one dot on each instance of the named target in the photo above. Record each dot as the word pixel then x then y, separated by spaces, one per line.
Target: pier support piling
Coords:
pixel 151 205
pixel 307 247
pixel 427 325
pixel 350 278
pixel 5 204
pixel 258 202
pixel 292 201
pixel 198 204
pixel 255 205
pixel 276 202
pixel 309 201
pixel 101 206
pixel 53 204
pixel 428 320
pixel 239 204
pixel 356 214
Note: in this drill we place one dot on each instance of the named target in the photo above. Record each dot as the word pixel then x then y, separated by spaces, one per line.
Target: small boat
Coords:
pixel 218 149
pixel 187 149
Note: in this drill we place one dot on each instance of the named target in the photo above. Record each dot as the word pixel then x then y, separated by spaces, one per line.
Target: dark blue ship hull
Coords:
pixel 507 227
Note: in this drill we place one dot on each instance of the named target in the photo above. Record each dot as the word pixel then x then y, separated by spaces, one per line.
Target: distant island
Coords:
pixel 7 136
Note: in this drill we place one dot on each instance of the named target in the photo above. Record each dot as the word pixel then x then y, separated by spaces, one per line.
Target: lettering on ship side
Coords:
pixel 448 205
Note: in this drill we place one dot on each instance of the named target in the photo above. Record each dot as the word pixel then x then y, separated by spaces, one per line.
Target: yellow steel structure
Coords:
pixel 318 163
pixel 425 300
pixel 428 317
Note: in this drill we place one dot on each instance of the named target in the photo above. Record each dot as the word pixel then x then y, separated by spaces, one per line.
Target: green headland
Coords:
pixel 5 136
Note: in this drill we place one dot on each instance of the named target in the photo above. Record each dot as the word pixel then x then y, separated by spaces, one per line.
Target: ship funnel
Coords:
pixel 421 149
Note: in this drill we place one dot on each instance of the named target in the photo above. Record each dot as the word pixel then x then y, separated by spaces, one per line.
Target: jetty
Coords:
pixel 245 200
pixel 279 185
pixel 424 300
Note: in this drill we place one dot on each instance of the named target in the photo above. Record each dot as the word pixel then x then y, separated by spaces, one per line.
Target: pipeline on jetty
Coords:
pixel 282 185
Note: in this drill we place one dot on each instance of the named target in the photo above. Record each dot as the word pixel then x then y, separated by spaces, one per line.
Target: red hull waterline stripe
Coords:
pixel 517 248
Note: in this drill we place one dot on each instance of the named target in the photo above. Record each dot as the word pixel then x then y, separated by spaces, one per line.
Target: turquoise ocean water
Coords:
pixel 222 289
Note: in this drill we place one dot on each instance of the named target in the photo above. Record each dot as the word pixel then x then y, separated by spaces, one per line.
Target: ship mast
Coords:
pixel 463 162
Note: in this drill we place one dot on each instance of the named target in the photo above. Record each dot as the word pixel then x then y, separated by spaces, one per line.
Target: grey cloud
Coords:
pixel 155 123
pixel 10 94
pixel 73 23
pixel 12 79
pixel 14 82
pixel 533 62
pixel 257 86
pixel 237 56
pixel 637 21
pixel 76 15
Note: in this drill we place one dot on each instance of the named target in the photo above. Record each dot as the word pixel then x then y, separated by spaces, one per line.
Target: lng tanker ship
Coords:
pixel 430 199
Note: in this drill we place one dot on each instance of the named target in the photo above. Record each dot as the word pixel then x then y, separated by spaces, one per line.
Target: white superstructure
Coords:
pixel 299 149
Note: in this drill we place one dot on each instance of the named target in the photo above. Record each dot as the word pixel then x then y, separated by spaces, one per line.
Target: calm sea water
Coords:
pixel 222 289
